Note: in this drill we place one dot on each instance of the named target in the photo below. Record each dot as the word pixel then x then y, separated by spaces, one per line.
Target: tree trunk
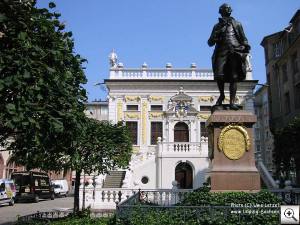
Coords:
pixel 83 192
pixel 76 191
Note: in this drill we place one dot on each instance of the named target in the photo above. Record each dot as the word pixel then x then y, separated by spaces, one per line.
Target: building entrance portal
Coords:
pixel 181 132
pixel 184 176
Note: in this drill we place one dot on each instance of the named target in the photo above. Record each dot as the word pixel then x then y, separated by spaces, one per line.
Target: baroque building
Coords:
pixel 166 110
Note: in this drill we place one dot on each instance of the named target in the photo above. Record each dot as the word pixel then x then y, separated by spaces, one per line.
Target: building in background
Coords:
pixel 264 142
pixel 282 60
pixel 282 54
pixel 97 110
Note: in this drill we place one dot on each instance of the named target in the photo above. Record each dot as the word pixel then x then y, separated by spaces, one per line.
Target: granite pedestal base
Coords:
pixel 229 174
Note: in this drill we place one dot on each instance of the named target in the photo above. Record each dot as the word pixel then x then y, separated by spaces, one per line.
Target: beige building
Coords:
pixel 264 142
pixel 97 110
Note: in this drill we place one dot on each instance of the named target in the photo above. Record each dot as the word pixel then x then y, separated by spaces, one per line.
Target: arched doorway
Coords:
pixel 181 132
pixel 184 175
pixel 1 166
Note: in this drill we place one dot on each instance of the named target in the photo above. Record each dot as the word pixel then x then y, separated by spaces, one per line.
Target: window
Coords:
pixel 257 148
pixel 277 49
pixel 2 187
pixel 133 127
pixel 104 110
pixel 132 107
pixel 206 108
pixel 287 104
pixel 294 63
pixel 284 73
pixel 145 180
pixel 203 130
pixel 43 182
pixel 257 134
pixel 156 131
pixel 297 96
pixel 266 55
pixel 156 107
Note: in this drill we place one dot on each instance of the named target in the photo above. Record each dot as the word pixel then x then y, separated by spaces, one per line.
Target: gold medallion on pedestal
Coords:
pixel 234 141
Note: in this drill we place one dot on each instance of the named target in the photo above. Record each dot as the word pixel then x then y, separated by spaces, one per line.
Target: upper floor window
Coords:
pixel 287 108
pixel 206 108
pixel 133 128
pixel 297 96
pixel 104 110
pixel 156 131
pixel 294 63
pixel 277 49
pixel 203 130
pixel 284 73
pixel 132 107
pixel 266 55
pixel 156 107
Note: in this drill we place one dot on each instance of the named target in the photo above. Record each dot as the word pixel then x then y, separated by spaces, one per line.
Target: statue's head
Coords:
pixel 225 10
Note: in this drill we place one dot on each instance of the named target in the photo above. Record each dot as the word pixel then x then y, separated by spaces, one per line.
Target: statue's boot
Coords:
pixel 232 105
pixel 220 100
pixel 232 89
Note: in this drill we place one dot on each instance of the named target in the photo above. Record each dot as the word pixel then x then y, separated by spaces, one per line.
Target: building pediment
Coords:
pixel 181 105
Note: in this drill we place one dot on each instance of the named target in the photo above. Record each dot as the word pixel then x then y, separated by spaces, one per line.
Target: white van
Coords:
pixel 7 191
pixel 61 187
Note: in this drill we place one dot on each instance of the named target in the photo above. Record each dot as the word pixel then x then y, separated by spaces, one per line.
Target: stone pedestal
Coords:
pixel 232 152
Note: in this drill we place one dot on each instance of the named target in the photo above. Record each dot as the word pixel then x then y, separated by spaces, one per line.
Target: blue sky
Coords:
pixel 162 31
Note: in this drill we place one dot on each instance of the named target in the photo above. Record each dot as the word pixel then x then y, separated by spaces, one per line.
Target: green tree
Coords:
pixel 41 92
pixel 100 147
pixel 287 145
pixel 42 98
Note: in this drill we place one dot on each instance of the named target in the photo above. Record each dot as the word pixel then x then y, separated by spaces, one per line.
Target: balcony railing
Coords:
pixel 108 198
pixel 161 74
pixel 197 149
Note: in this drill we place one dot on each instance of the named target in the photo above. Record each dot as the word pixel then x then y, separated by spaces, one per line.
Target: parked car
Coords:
pixel 61 187
pixel 31 185
pixel 7 192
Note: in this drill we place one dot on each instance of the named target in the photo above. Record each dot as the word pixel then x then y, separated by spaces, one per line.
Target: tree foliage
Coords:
pixel 287 145
pixel 101 146
pixel 42 116
pixel 40 85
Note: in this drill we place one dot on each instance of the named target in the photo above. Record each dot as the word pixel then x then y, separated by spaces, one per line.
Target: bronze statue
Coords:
pixel 229 58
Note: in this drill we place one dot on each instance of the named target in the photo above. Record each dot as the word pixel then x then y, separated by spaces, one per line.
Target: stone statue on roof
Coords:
pixel 113 59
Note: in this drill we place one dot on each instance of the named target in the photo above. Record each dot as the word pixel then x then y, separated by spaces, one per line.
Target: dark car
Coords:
pixel 31 185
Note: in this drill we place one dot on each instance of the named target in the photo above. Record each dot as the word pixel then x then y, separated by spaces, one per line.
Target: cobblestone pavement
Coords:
pixel 8 214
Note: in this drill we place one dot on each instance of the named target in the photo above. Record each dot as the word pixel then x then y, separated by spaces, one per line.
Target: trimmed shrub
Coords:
pixel 185 214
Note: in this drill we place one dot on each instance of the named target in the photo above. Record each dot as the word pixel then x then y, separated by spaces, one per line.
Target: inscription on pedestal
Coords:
pixel 232 154
pixel 234 142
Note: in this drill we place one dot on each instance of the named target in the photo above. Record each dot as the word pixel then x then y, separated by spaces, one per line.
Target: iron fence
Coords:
pixel 289 196
pixel 188 214
pixel 155 202
pixel 56 215
pixel 53 215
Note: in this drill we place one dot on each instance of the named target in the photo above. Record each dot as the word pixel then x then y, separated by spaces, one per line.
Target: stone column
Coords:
pixel 144 124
